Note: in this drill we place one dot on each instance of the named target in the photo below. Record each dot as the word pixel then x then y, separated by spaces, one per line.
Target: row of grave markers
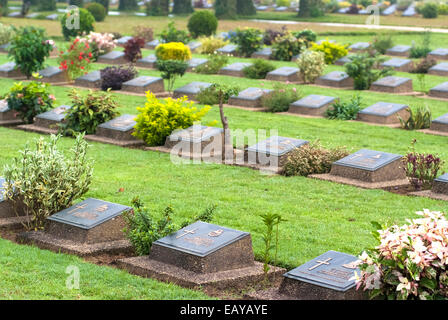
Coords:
pixel 199 255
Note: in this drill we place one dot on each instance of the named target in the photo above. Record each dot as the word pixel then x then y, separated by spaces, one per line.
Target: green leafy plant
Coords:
pixel 311 65
pixel 259 69
pixel 97 10
pixel 421 169
pixel 422 50
pixel 312 158
pixel 362 68
pixel 29 49
pixel 171 70
pixel 210 95
pixel 6 33
pixel 86 23
pixel 213 65
pixel 424 65
pixel 270 240
pixel 332 51
pixel 249 40
pixel 173 34
pixel 209 45
pixel 418 119
pixel 202 23
pixel 45 181
pixel 429 10
pixel 280 98
pixel 159 118
pixel 30 99
pixel 287 46
pixel 345 110
pixel 88 111
pixel 382 43
pixel 307 35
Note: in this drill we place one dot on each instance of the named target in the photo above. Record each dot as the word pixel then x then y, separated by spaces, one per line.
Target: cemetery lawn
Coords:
pixel 31 273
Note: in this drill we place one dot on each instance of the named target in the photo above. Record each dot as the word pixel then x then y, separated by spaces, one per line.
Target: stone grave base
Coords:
pixel 404 68
pixel 291 78
pixel 430 194
pixel 119 61
pixel 403 88
pixel 88 84
pixel 9 123
pixel 404 54
pixel 146 65
pixel 360 183
pixel 435 132
pixel 438 94
pixel 153 87
pixel 12 223
pixel 392 119
pixel 260 56
pixel 37 129
pixel 49 242
pixel 315 112
pixel 235 279
pixel 438 57
pixel 232 73
pixel 245 102
pixel 120 143
pixel 346 83
pixel 438 73
pixel 15 74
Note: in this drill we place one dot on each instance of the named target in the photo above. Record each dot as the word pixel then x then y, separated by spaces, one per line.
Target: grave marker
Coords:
pixel 88 228
pixel 398 64
pixel 290 74
pixel 250 97
pixel 439 54
pixel 113 57
pixel 338 79
pixel 90 80
pixel 440 91
pixel 441 184
pixel 123 40
pixel 151 45
pixel 147 62
pixel 392 84
pixel 327 277
pixel 52 17
pixel 51 119
pixel 190 90
pixel 144 83
pixel 230 49
pixel 9 70
pixel 5 47
pixel 342 61
pixel 53 75
pixel 234 69
pixel 390 10
pixel 8 117
pixel 440 124
pixel 440 69
pixel 359 46
pixel 384 113
pixel 399 50
pixel 194 46
pixel 264 53
pixel 313 104
pixel 196 62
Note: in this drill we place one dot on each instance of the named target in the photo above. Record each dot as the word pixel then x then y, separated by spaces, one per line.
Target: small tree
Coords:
pixel 363 69
pixel 29 49
pixel 182 7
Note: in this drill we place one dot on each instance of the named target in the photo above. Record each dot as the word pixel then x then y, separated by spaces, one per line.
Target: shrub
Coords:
pixel 171 70
pixel 287 46
pixel 29 49
pixel 133 49
pixel 142 229
pixel 29 99
pixel 89 111
pixel 173 51
pixel 429 10
pixel 209 45
pixel 202 23
pixel 311 65
pixel 312 159
pixel 443 9
pixel 283 3
pixel 345 110
pixel 127 5
pixel 270 35
pixel 411 266
pixel 422 50
pixel 172 34
pixel 332 51
pixel 6 34
pixel 104 3
pixel 157 8
pixel 100 43
pixel 97 10
pixel 306 34
pixel 86 23
pixel 419 119
pixel 45 181
pixel 113 77
pixel 159 118
pixel 76 60
pixel 424 65
pixel 47 5
pixel 362 69
pixel 382 43
pixel 210 95
pixel 141 31
pixel 280 98
pixel 249 40
pixel 213 65
pixel 259 69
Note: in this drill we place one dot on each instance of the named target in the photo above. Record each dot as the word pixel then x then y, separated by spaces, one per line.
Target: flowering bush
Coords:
pixel 76 60
pixel 173 51
pixel 311 65
pixel 332 51
pixel 158 118
pixel 287 46
pixel 100 43
pixel 410 261
pixel 421 169
pixel 30 99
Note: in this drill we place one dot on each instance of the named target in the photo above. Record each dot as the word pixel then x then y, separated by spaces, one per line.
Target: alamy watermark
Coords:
pixel 73 279
pixel 72 22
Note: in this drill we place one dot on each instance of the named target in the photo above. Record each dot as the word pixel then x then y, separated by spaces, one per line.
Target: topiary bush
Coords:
pixel 171 70
pixel 86 23
pixel 104 3
pixel 332 51
pixel 113 77
pixel 173 51
pixel 97 10
pixel 245 8
pixel 159 118
pixel 202 23
pixel 259 69
pixel 311 65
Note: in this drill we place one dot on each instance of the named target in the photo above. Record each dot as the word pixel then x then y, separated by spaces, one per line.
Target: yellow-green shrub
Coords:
pixel 209 45
pixel 332 51
pixel 158 118
pixel 173 51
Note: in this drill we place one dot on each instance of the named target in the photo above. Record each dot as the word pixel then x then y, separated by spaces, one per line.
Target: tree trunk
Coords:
pixel 245 8
pixel 304 8
pixel 225 9
pixel 182 7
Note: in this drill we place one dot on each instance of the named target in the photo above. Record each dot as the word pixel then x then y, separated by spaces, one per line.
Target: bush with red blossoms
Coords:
pixel 133 49
pixel 410 262
pixel 421 169
pixel 76 60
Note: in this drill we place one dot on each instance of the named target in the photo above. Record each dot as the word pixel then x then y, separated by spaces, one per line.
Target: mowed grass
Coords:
pixel 30 273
